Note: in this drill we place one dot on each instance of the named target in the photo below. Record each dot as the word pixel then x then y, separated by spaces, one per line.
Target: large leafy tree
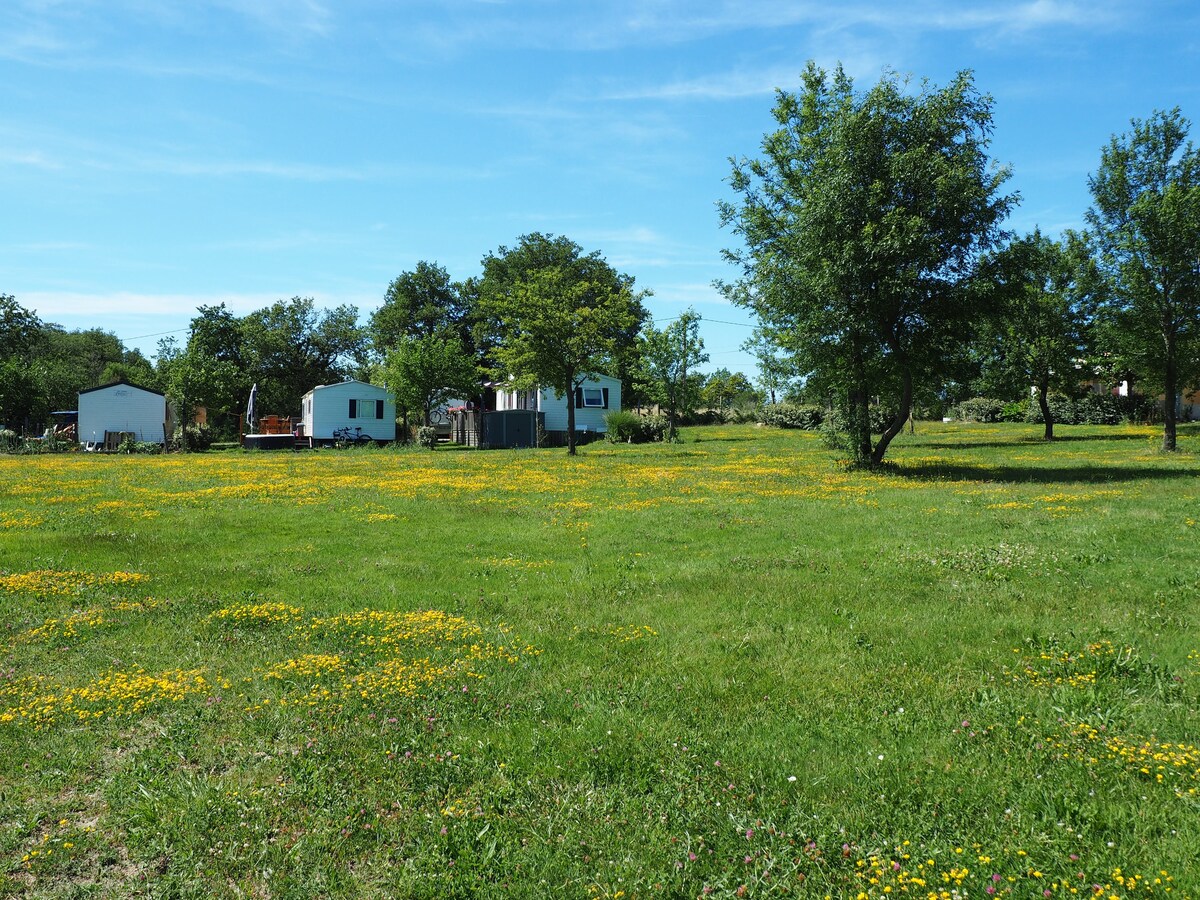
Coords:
pixel 1039 334
pixel 20 329
pixel 561 315
pixel 424 372
pixel 724 389
pixel 1144 224
pixel 862 225
pixel 213 369
pixel 667 372
pixel 290 347
pixel 194 377
pixel 419 303
pixel 22 395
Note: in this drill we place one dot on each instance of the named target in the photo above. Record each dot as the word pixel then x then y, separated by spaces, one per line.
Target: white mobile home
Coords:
pixel 351 404
pixel 121 408
pixel 593 400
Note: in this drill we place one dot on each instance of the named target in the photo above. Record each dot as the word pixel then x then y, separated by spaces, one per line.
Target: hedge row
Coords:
pixel 1090 409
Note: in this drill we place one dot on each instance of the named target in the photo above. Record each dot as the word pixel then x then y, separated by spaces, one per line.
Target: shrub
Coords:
pixel 193 437
pixel 623 427
pixel 132 445
pixel 10 441
pixel 1064 410
pixel 741 412
pixel 427 437
pixel 1137 409
pixel 980 409
pixel 1015 411
pixel 881 418
pixel 791 415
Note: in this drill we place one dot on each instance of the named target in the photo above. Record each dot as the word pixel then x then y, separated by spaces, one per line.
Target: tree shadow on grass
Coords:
pixel 1036 441
pixel 1089 474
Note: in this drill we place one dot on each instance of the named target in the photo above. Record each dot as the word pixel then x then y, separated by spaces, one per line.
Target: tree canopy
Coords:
pixel 562 315
pixel 290 347
pixel 1039 333
pixel 862 225
pixel 1144 226
pixel 417 304
pixel 667 371
pixel 425 371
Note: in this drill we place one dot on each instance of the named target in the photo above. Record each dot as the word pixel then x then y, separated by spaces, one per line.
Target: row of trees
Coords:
pixel 543 312
pixel 875 258
pixel 43 366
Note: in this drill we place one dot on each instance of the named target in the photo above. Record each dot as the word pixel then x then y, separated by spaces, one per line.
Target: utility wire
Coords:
pixel 138 337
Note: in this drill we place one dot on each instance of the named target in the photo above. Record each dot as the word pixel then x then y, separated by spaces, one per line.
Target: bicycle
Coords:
pixel 348 437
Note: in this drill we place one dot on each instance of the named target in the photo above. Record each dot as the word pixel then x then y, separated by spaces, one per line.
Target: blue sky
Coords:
pixel 160 154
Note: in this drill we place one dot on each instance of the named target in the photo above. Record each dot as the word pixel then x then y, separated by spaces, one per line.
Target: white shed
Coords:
pixel 349 404
pixel 118 408
pixel 594 399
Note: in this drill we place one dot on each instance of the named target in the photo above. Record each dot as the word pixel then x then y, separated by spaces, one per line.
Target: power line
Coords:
pixel 702 319
pixel 138 337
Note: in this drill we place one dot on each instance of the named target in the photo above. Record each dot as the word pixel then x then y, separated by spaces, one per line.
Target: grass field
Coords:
pixel 726 667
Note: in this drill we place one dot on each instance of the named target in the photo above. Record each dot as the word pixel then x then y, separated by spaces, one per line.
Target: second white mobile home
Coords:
pixel 363 408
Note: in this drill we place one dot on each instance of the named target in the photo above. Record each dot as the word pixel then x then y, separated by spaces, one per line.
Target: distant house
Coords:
pixel 593 400
pixel 109 412
pixel 350 404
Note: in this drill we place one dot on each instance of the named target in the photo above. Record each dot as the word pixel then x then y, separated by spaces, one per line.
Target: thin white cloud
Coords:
pixel 32 158
pixel 51 305
pixel 291 18
pixel 721 86
pixel 862 37
pixel 284 170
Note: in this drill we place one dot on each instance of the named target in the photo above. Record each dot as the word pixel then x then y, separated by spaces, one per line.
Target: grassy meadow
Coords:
pixel 724 668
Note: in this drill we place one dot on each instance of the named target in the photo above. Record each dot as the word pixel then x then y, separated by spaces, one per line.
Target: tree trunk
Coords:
pixel 672 402
pixel 1044 406
pixel 1170 389
pixel 571 416
pixel 902 416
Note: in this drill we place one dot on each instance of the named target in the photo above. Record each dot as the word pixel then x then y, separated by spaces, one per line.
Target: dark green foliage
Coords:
pixel 425 371
pixel 561 315
pixel 1041 317
pixel 1096 409
pixel 624 427
pixel 790 415
pixel 1089 409
pixel 666 372
pixel 420 303
pixel 196 436
pixel 980 409
pixel 290 347
pixel 130 445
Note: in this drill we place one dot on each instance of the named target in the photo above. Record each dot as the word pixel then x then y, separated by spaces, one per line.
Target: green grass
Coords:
pixel 729 668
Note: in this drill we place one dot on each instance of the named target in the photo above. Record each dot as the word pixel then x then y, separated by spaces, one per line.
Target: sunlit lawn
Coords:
pixel 727 667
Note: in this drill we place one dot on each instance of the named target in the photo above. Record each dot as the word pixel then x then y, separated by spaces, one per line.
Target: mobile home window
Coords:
pixel 593 397
pixel 366 409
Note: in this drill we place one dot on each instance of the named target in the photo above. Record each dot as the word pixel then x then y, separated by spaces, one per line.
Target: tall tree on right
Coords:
pixel 1144 226
pixel 863 224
